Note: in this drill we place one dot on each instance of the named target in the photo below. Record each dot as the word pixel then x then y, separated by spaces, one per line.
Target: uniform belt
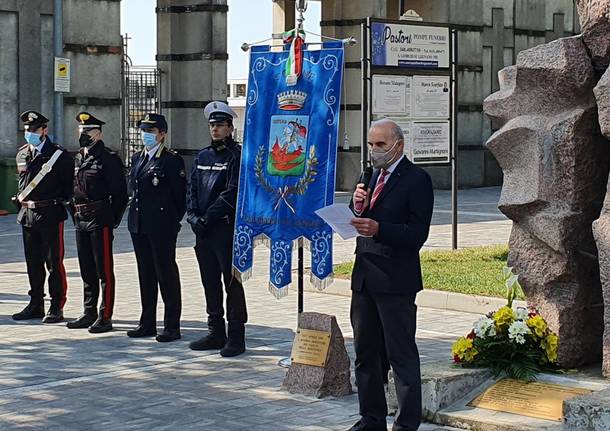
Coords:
pixel 40 204
pixel 92 206
pixel 369 245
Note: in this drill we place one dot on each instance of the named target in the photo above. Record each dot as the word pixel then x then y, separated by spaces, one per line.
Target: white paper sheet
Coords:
pixel 338 217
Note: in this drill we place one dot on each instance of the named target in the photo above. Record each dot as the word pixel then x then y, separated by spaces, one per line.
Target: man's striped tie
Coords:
pixel 379 187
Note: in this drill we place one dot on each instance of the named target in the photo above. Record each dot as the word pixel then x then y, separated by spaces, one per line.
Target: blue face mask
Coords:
pixel 32 138
pixel 149 140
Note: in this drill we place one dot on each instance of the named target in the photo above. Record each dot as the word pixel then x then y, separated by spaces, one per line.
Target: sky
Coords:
pixel 248 21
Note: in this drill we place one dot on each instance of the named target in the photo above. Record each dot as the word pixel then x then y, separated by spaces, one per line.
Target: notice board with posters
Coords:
pixel 411 80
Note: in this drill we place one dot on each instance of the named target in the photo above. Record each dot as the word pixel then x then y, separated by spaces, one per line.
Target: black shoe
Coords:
pixel 168 335
pixel 209 342
pixel 361 425
pixel 142 331
pixel 30 312
pixel 84 321
pixel 54 315
pixel 101 325
pixel 236 345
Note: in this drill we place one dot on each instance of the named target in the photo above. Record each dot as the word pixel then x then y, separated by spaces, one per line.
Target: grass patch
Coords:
pixel 473 271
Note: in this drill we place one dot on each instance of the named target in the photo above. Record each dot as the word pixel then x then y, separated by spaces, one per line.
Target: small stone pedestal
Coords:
pixel 333 379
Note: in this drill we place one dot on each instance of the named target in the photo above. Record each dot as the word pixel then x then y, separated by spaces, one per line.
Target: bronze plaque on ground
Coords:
pixel 310 347
pixel 536 399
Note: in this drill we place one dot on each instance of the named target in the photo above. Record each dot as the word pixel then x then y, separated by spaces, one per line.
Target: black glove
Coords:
pixel 198 224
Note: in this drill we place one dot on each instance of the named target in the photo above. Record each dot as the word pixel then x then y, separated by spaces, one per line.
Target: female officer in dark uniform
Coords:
pixel 157 185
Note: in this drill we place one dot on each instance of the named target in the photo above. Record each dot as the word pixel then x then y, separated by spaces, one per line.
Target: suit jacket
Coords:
pixel 158 192
pixel 389 262
pixel 57 184
pixel 100 175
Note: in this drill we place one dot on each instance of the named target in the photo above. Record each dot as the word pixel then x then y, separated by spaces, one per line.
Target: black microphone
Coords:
pixel 365 178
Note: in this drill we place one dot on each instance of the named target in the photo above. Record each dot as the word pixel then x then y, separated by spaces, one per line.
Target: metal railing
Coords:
pixel 141 95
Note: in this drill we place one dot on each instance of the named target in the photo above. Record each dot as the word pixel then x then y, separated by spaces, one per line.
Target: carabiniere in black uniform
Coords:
pixel 212 200
pixel 157 186
pixel 42 214
pixel 100 198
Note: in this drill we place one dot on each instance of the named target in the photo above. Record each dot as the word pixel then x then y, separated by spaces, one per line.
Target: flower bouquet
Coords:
pixel 516 342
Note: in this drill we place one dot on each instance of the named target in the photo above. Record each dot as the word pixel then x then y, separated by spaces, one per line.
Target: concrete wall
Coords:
pixel 92 40
pixel 192 53
pixel 9 102
pixel 490 35
pixel 26 32
pixel 93 43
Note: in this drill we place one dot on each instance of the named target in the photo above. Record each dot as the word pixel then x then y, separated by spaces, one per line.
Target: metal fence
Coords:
pixel 141 94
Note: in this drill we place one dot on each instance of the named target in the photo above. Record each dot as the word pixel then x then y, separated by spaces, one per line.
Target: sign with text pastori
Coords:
pixel 411 46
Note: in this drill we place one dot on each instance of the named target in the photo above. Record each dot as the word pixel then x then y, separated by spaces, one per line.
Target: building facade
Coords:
pixel 490 35
pixel 192 57
pixel 92 42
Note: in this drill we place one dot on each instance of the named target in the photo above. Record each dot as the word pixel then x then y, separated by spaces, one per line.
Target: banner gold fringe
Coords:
pixel 321 284
pixel 280 293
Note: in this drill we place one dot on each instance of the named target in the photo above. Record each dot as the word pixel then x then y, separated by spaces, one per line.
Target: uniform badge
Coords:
pixel 155 181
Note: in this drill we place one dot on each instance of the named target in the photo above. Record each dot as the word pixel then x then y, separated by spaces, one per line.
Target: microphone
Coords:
pixel 365 178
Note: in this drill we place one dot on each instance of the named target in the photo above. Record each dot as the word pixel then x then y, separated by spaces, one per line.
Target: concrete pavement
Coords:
pixel 52 378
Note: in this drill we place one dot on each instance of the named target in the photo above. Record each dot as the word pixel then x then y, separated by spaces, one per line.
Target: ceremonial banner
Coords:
pixel 288 159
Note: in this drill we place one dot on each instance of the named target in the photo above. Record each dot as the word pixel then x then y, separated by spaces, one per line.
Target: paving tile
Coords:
pixel 52 378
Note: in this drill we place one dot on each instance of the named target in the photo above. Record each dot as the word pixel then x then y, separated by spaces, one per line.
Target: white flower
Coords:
pixel 485 327
pixel 517 331
pixel 519 339
pixel 521 313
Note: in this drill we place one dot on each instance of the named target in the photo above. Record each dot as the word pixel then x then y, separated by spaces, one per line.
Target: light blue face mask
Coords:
pixel 149 140
pixel 32 138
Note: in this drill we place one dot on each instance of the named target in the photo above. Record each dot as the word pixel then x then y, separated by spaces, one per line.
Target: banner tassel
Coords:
pixel 321 284
pixel 279 293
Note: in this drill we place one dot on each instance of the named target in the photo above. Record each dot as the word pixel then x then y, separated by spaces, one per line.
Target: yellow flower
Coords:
pixel 504 317
pixel 550 344
pixel 463 350
pixel 538 326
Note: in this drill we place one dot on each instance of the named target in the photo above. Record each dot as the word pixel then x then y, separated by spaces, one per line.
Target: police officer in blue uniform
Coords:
pixel 42 212
pixel 157 185
pixel 212 199
pixel 100 198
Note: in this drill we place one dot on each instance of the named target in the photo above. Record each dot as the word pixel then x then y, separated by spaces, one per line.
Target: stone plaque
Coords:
pixel 535 399
pixel 320 366
pixel 310 347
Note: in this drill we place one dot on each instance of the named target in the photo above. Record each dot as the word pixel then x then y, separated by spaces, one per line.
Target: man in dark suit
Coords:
pixel 45 186
pixel 157 185
pixel 393 218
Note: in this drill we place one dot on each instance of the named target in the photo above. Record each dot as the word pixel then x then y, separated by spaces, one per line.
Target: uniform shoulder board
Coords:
pixel 59 147
pixel 172 151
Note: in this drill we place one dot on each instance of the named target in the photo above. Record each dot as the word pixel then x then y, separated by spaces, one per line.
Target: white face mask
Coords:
pixel 382 159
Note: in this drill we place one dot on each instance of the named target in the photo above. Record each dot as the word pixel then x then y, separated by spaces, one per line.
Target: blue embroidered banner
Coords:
pixel 288 162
